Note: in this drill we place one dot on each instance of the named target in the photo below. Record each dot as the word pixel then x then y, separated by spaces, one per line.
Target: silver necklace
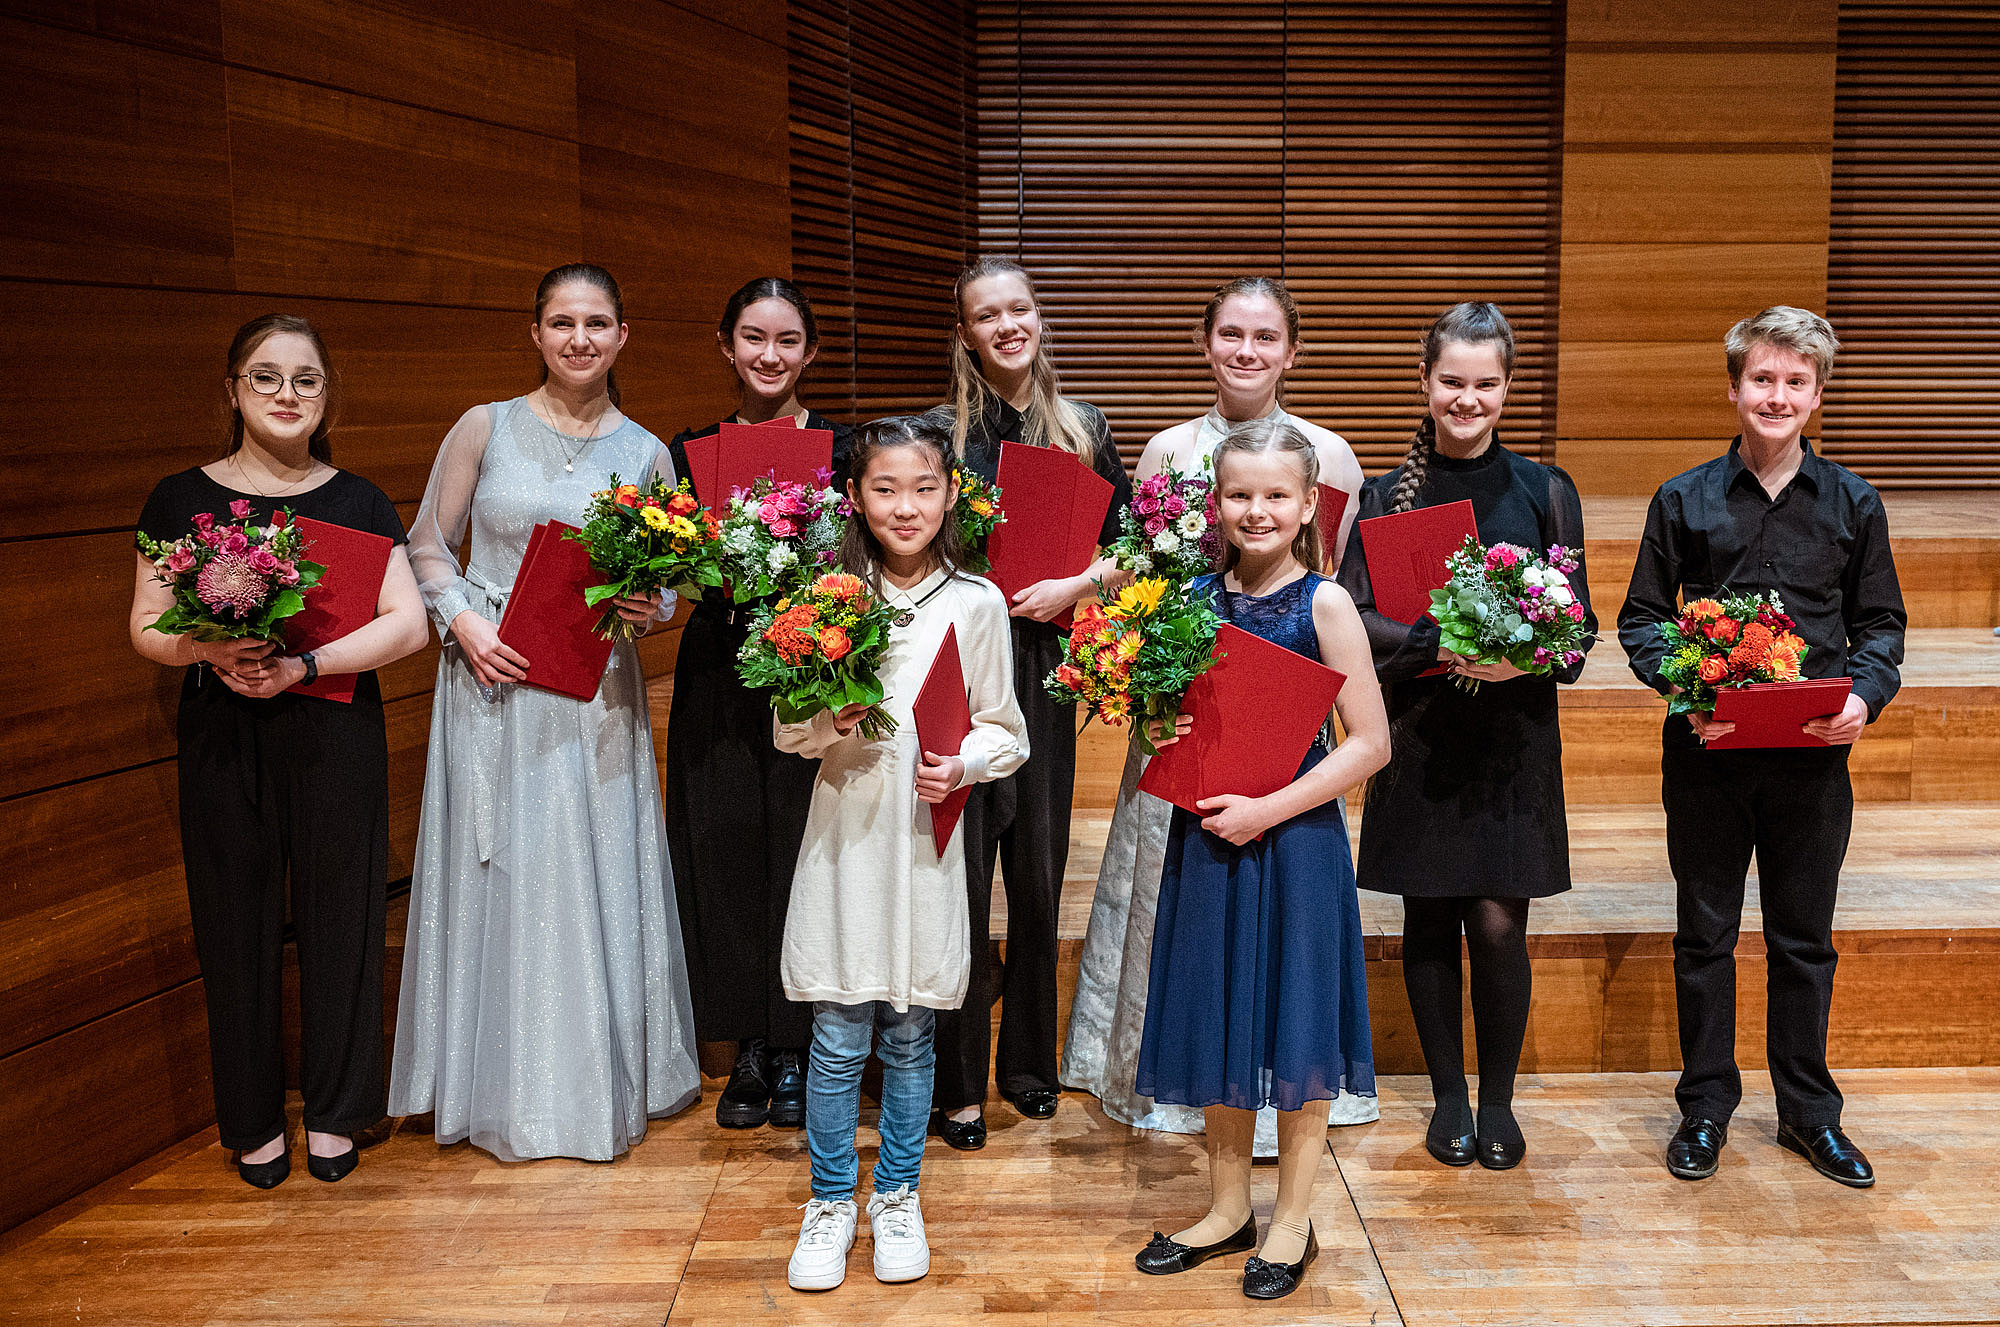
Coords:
pixel 570 458
pixel 283 490
pixel 907 615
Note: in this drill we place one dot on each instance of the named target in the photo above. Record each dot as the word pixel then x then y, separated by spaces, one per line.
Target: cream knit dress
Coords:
pixel 876 912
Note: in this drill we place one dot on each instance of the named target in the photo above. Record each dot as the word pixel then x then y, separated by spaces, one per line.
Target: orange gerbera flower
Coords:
pixel 840 584
pixel 1784 665
pixel 1704 610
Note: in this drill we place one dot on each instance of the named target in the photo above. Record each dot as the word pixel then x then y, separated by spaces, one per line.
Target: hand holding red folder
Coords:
pixel 1256 711
pixel 1054 508
pixel 547 619
pixel 739 454
pixel 944 717
pixel 344 600
pixel 1773 714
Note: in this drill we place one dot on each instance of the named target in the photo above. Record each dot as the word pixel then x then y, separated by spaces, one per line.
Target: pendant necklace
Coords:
pixel 905 616
pixel 570 458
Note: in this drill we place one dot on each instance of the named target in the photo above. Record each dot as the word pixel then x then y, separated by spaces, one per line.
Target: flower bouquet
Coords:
pixel 1170 529
pixel 977 511
pixel 1504 602
pixel 1728 642
pixel 778 533
pixel 646 539
pixel 818 649
pixel 1137 654
pixel 232 582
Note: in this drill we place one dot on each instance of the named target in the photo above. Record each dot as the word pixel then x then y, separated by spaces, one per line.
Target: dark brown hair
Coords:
pixel 763 288
pixel 861 551
pixel 254 334
pixel 587 274
pixel 1474 322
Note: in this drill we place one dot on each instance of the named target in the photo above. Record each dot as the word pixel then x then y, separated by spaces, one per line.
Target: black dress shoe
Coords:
pixel 788 1090
pixel 746 1101
pixel 1696 1148
pixel 1455 1151
pixel 1495 1154
pixel 1164 1257
pixel 265 1174
pixel 1275 1280
pixel 962 1135
pixel 334 1169
pixel 1036 1103
pixel 1831 1154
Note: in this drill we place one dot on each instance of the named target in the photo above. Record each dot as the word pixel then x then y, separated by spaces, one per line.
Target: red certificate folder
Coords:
pixel 343 601
pixel 740 454
pixel 944 717
pixel 1054 507
pixel 548 621
pixel 1769 714
pixel 1332 506
pixel 1255 712
pixel 1406 554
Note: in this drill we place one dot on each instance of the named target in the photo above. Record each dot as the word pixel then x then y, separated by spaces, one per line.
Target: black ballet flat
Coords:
pixel 1035 1104
pixel 1164 1257
pixel 1275 1280
pixel 1501 1146
pixel 1497 1155
pixel 332 1170
pixel 265 1174
pixel 960 1135
pixel 1452 1151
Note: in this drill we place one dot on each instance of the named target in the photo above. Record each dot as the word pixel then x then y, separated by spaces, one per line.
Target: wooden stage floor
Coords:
pixel 694 1226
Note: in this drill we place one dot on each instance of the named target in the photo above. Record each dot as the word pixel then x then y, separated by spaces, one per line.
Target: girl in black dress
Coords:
pixel 736 807
pixel 1004 389
pixel 1466 821
pixel 278 787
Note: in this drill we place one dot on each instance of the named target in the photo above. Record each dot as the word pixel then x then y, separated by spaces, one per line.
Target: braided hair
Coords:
pixel 1475 322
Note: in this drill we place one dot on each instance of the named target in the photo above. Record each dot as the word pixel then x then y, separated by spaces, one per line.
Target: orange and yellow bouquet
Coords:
pixel 646 539
pixel 818 648
pixel 1731 641
pixel 1137 654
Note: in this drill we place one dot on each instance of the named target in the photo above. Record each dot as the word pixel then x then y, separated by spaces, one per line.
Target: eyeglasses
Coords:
pixel 266 382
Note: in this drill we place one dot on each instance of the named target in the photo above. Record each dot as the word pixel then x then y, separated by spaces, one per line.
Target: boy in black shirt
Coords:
pixel 1769 514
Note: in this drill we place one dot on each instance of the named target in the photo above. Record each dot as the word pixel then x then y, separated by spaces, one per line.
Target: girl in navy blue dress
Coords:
pixel 1257 993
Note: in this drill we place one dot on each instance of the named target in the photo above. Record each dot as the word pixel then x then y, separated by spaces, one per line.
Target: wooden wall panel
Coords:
pixel 637 212
pixel 191 27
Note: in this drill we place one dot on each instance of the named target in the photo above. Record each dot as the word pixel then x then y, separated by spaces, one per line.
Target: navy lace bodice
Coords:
pixel 1283 617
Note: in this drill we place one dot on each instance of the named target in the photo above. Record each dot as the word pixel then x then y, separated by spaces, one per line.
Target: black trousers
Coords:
pixel 736 814
pixel 1022 822
pixel 292 789
pixel 1793 809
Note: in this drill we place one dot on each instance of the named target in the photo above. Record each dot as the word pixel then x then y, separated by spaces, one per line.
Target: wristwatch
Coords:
pixel 312 668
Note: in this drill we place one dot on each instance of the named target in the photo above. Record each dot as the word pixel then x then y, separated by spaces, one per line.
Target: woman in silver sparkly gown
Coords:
pixel 1249 334
pixel 544 1007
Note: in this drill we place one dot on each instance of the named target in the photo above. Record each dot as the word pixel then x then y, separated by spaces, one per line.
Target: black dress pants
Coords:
pixel 1793 809
pixel 736 811
pixel 294 789
pixel 1022 822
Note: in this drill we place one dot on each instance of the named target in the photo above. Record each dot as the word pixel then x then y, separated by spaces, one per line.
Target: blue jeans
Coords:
pixel 841 1037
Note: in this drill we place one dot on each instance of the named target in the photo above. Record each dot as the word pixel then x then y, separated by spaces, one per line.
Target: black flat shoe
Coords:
pixel 1164 1257
pixel 1830 1152
pixel 1696 1149
pixel 1275 1280
pixel 334 1169
pixel 788 1090
pixel 746 1102
pixel 1036 1104
pixel 1498 1155
pixel 962 1135
pixel 266 1174
pixel 1453 1150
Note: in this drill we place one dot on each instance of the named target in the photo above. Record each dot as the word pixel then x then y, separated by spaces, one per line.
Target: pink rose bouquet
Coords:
pixel 1170 529
pixel 232 581
pixel 780 534
pixel 1504 602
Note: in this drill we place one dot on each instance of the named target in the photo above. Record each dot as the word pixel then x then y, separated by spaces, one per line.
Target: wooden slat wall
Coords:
pixel 1386 160
pixel 881 194
pixel 401 173
pixel 1913 270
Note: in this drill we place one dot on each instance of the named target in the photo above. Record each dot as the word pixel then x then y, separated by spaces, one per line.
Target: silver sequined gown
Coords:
pixel 544 1007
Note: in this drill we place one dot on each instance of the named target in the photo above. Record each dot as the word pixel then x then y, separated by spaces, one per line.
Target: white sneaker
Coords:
pixel 827 1233
pixel 901 1252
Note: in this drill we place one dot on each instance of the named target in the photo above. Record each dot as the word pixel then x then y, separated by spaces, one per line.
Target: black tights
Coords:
pixel 1496 938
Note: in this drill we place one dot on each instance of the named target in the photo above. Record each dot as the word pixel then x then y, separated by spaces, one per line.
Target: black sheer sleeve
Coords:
pixel 1564 525
pixel 1402 650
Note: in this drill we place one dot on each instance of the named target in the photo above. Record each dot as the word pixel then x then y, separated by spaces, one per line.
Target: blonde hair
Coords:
pixel 1049 420
pixel 1255 437
pixel 1784 327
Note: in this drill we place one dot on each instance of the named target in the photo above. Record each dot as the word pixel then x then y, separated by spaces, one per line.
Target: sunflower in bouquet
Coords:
pixel 977 512
pixel 1170 529
pixel 778 534
pixel 643 539
pixel 235 581
pixel 819 648
pixel 1730 641
pixel 1506 603
pixel 1136 654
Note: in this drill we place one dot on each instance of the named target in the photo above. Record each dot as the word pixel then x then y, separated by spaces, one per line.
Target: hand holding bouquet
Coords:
pixel 1170 529
pixel 977 512
pixel 1730 642
pixel 778 534
pixel 232 582
pixel 645 540
pixel 1137 654
pixel 1504 603
pixel 818 649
